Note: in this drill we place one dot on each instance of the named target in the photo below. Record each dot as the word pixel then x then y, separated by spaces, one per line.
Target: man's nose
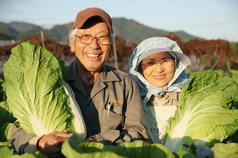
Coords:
pixel 95 42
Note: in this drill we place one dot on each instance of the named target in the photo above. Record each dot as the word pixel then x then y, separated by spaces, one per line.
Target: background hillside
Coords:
pixel 204 54
pixel 129 30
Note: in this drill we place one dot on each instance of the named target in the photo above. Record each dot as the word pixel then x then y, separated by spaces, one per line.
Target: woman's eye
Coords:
pixel 150 63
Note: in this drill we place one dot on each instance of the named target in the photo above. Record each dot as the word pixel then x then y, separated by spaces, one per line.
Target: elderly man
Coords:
pixel 108 98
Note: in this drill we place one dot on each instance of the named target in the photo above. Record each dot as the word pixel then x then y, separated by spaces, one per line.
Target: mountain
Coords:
pixel 133 31
pixel 17 30
pixel 128 30
pixel 60 33
pixel 7 32
pixel 22 27
pixel 185 36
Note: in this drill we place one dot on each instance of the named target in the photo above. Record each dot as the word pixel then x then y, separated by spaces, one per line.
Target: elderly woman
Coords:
pixel 157 64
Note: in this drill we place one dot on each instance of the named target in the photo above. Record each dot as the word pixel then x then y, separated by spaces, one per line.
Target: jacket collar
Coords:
pixel 71 71
pixel 108 73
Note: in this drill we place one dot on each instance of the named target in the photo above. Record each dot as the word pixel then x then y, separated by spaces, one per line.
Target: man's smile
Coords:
pixel 93 55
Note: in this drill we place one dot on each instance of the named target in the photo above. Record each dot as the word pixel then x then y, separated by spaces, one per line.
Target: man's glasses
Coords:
pixel 163 63
pixel 102 40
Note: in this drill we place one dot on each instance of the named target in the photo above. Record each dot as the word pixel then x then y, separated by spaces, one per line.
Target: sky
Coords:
pixel 209 19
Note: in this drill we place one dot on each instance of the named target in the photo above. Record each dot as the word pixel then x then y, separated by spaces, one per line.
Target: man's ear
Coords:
pixel 71 44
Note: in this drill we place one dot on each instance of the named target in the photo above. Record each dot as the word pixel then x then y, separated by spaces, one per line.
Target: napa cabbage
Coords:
pixel 206 113
pixel 136 149
pixel 221 150
pixel 37 94
pixel 6 122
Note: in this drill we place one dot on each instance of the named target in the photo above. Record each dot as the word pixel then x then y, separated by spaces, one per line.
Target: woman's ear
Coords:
pixel 71 44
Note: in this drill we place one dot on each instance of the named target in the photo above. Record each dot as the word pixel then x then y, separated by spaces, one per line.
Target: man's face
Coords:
pixel 92 56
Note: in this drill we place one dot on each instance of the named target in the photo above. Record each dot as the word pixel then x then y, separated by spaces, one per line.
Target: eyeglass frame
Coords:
pixel 154 66
pixel 112 38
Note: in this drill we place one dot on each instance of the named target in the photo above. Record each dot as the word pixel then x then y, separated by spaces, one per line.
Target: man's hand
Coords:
pixel 90 139
pixel 50 144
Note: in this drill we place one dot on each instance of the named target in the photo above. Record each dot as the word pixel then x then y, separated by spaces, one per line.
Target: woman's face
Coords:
pixel 158 74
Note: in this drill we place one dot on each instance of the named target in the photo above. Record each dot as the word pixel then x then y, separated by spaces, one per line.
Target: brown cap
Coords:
pixel 85 14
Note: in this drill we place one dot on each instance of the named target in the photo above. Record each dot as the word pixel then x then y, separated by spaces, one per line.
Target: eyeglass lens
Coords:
pixel 87 39
pixel 162 63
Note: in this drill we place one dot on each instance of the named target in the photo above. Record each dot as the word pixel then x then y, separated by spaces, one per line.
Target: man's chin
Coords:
pixel 94 68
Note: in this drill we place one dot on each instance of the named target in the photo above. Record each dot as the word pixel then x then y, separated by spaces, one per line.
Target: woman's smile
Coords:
pixel 159 77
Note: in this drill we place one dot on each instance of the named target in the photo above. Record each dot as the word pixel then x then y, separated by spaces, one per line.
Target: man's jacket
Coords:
pixel 112 113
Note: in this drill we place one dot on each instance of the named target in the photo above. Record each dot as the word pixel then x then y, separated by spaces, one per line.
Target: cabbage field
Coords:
pixel 205 122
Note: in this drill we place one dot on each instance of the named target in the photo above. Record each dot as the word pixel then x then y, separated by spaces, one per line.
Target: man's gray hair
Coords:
pixel 72 33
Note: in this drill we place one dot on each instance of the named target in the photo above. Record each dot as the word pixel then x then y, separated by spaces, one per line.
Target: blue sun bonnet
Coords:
pixel 154 45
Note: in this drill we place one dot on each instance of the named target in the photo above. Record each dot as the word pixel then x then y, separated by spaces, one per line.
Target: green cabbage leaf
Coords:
pixel 36 93
pixel 206 113
pixel 229 150
pixel 136 149
pixel 5 114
